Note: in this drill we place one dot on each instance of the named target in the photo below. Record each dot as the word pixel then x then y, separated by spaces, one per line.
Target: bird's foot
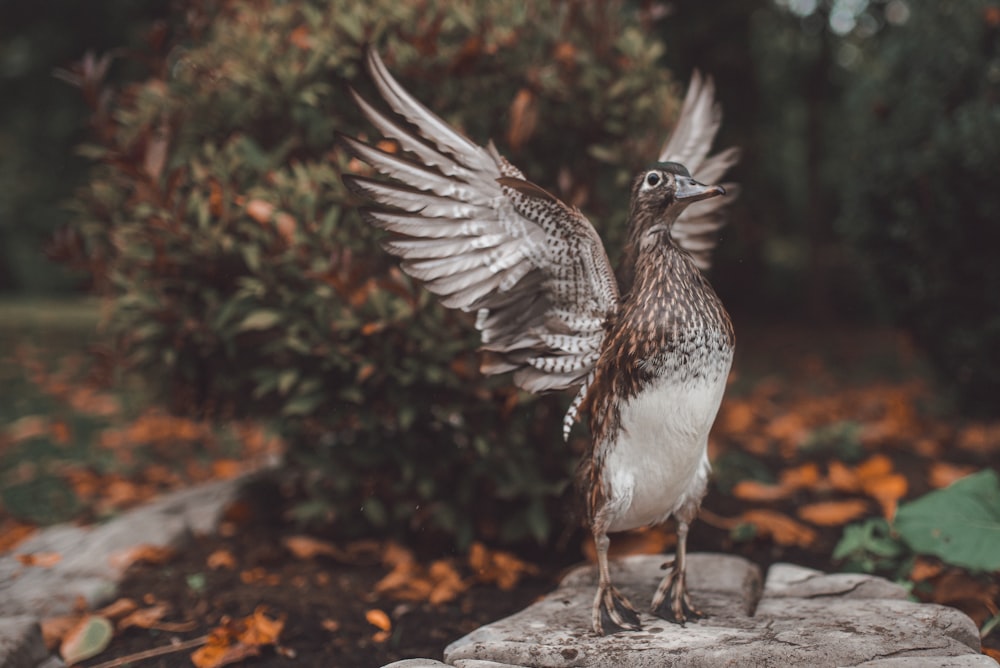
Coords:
pixel 613 613
pixel 671 601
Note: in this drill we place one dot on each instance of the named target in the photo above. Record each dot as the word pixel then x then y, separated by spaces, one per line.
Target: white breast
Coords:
pixel 659 458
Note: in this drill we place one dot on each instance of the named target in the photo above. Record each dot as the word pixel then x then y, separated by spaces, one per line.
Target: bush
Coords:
pixel 240 280
pixel 918 183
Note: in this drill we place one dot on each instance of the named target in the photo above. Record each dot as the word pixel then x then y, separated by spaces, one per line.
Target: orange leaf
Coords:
pixel 842 478
pixel 259 629
pixel 874 467
pixel 378 619
pixel 306 547
pixel 783 529
pixel 925 569
pixel 144 618
pixel 833 513
pixel 943 474
pixel 225 469
pixel 753 490
pixel 118 609
pixel 54 629
pixel 887 490
pixel 800 477
pixel 221 559
pixel 447 584
pixel 500 567
pixel 154 555
pixel 13 532
pixel 40 559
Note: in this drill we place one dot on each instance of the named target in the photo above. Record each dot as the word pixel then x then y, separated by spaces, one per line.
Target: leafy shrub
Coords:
pixel 240 280
pixel 918 182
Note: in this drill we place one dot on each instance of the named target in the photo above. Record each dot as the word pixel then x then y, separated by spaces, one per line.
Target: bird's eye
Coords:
pixel 652 179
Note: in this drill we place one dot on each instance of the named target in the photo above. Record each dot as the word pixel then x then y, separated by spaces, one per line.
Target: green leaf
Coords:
pixel 960 523
pixel 262 319
pixel 88 639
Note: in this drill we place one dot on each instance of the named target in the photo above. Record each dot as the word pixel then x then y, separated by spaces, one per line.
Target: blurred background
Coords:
pixel 185 278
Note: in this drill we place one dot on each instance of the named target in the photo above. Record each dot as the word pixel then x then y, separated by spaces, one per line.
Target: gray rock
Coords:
pixel 964 661
pixel 21 643
pixel 801 617
pixel 91 557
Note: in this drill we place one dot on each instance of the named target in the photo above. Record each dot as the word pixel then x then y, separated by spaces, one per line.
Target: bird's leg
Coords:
pixel 612 612
pixel 671 601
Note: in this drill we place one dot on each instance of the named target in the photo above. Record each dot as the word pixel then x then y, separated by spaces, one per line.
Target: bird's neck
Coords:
pixel 640 221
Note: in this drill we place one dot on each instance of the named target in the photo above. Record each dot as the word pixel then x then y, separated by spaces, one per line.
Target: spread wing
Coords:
pixel 468 225
pixel 688 144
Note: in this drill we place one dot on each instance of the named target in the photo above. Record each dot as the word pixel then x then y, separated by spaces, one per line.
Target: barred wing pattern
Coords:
pixel 466 223
pixel 688 144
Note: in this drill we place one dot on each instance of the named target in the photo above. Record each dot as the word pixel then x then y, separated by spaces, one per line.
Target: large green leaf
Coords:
pixel 960 523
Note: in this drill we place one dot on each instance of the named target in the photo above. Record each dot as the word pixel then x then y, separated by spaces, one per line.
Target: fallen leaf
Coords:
pixel 503 568
pixel 87 639
pixel 118 609
pixel 226 469
pixel 874 467
pixel 54 629
pixel 800 477
pixel 40 559
pixel 236 640
pixel 925 569
pixel 144 618
pixel 754 490
pixel 331 625
pixel 378 619
pixel 842 478
pixel 446 583
pixel 145 553
pixel 783 529
pixel 942 474
pixel 832 513
pixel 887 490
pixel 221 559
pixel 306 547
pixel 13 532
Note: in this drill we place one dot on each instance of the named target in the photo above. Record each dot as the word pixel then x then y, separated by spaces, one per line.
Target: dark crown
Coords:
pixel 672 167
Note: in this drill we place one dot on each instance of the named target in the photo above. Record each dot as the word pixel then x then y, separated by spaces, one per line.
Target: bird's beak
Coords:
pixel 689 190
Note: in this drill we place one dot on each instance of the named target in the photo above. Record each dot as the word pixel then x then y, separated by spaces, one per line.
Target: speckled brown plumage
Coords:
pixel 647 351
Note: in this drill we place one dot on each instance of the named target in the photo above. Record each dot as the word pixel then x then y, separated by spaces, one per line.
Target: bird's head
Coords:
pixel 665 189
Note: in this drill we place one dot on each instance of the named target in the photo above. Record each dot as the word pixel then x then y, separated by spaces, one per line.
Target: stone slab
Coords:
pixel 800 617
pixel 90 563
pixel 21 643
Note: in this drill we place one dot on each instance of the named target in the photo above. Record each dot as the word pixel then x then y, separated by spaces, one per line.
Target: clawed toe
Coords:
pixel 671 601
pixel 613 613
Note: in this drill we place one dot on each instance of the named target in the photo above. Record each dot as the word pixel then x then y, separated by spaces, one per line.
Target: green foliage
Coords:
pixel 870 547
pixel 921 144
pixel 240 280
pixel 959 524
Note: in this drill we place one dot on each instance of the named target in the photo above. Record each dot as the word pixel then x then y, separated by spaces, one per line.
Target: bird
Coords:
pixel 647 351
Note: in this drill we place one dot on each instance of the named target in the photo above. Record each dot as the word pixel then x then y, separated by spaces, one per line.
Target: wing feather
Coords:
pixel 466 223
pixel 689 143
